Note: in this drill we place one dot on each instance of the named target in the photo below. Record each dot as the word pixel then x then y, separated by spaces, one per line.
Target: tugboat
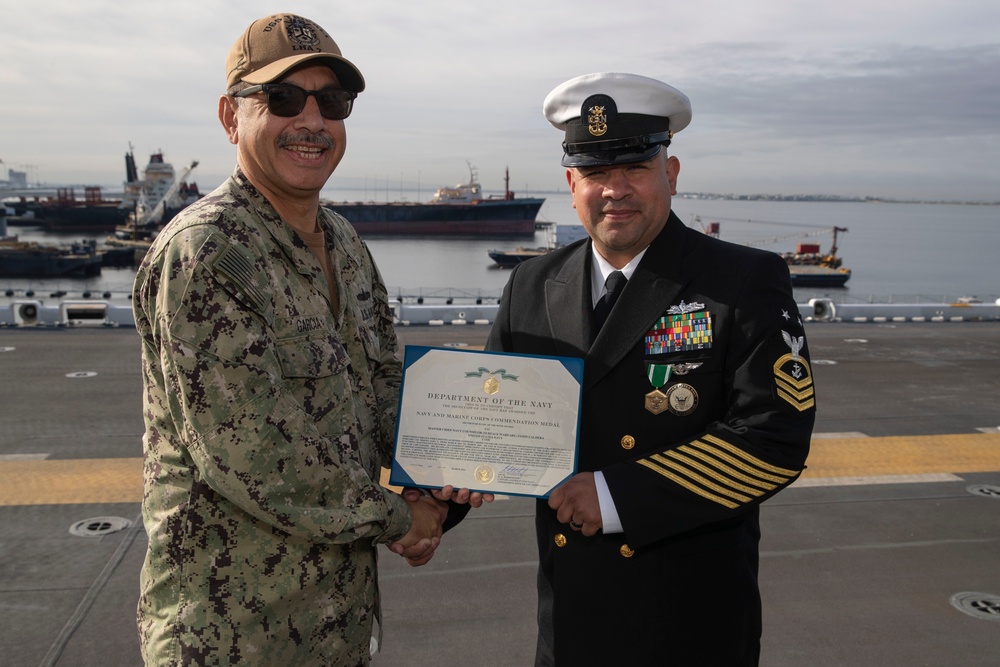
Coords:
pixel 559 235
pixel 811 268
pixel 807 266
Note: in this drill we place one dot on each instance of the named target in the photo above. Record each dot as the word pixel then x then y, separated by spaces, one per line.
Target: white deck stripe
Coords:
pixel 876 479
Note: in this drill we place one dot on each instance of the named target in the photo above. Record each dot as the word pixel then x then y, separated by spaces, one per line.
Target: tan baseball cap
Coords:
pixel 273 45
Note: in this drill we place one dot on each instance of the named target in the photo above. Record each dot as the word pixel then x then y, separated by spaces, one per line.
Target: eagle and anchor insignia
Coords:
pixel 793 376
pixel 597 121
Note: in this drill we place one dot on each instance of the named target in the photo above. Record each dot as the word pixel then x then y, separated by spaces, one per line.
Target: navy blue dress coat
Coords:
pixel 679 585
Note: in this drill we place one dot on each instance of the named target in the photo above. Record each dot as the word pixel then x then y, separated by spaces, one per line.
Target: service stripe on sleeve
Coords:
pixel 738 463
pixel 687 485
pixel 752 460
pixel 700 481
pixel 733 472
pixel 719 471
pixel 713 474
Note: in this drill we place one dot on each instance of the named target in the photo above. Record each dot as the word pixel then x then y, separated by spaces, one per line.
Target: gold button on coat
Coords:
pixel 626 551
pixel 628 442
pixel 560 540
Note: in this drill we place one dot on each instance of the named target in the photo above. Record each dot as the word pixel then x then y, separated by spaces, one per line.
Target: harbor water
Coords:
pixel 897 252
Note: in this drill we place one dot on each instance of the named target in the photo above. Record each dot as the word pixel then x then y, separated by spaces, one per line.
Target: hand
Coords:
pixel 424 536
pixel 575 503
pixel 462 496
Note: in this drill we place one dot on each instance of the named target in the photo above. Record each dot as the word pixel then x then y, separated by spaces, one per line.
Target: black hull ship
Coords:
pixel 20 259
pixel 458 211
pixel 152 200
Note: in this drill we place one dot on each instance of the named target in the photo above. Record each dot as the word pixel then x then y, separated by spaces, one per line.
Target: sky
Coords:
pixel 881 98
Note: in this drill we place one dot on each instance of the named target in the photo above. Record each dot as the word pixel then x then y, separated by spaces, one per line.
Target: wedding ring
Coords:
pixel 574 525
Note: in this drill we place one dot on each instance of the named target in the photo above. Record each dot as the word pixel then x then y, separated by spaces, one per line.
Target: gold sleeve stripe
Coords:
pixel 795 403
pixel 699 480
pixel 731 472
pixel 748 458
pixel 737 463
pixel 800 395
pixel 687 485
pixel 713 474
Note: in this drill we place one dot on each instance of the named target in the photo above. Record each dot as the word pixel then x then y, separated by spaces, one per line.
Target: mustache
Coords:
pixel 305 138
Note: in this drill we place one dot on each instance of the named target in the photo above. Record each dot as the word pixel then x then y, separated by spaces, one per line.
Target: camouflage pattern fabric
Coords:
pixel 266 426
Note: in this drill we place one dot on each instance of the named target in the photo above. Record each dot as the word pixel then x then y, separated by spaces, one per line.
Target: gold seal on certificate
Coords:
pixel 501 423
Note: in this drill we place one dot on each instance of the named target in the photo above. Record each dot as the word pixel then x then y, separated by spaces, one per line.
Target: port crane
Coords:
pixel 154 214
pixel 712 229
pixel 803 235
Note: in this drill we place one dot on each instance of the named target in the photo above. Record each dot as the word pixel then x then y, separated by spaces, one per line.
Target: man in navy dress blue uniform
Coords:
pixel 697 398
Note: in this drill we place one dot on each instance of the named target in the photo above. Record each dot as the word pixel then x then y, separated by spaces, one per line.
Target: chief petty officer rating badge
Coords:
pixel 792 375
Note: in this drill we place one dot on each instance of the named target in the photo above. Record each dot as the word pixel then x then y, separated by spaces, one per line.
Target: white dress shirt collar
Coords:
pixel 601 269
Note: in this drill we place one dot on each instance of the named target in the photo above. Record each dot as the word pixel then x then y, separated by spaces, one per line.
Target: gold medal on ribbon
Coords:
pixel 658 374
pixel 491 384
pixel 682 399
pixel 656 401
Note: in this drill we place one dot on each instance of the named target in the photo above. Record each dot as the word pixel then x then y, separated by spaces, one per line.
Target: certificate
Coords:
pixel 490 422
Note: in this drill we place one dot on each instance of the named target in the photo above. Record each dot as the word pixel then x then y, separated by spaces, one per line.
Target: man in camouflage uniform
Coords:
pixel 270 388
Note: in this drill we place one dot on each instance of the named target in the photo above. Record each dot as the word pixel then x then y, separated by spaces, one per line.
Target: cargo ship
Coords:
pixel 453 211
pixel 65 213
pixel 155 198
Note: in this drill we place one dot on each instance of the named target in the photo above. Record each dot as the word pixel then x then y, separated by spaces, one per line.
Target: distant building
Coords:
pixel 15 179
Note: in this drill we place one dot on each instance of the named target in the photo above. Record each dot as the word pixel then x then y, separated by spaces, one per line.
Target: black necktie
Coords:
pixel 614 286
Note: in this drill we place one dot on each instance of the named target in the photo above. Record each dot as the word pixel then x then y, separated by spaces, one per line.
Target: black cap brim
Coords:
pixel 608 158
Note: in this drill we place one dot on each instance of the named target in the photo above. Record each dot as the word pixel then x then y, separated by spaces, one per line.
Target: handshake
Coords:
pixel 429 510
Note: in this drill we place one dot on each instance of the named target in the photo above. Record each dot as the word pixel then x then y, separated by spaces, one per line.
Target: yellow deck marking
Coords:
pixel 84 481
pixel 70 481
pixel 904 455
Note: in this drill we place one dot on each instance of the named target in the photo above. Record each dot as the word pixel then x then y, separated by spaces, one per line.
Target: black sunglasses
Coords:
pixel 288 101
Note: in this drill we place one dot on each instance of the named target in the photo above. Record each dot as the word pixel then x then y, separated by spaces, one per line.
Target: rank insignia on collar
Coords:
pixel 792 376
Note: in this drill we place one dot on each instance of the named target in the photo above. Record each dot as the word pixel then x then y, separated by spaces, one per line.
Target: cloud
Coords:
pixel 891 98
pixel 898 91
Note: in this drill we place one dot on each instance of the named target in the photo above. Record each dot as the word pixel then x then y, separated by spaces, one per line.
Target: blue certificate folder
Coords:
pixel 487 421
